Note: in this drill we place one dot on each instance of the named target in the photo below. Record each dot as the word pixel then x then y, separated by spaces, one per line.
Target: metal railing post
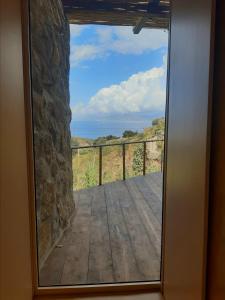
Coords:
pixel 124 162
pixel 100 165
pixel 144 157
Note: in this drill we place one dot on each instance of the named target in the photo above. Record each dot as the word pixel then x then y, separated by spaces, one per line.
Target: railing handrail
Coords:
pixel 123 154
pixel 115 144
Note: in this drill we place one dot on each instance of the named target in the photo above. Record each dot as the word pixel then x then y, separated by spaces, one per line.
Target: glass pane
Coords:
pixel 98 73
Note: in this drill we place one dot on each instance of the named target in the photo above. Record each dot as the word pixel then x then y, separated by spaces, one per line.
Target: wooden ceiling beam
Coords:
pixel 129 6
pixel 153 14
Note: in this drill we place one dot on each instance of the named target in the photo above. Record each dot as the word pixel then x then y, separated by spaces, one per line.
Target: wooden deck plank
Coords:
pixel 115 235
pixel 100 259
pixel 152 199
pixel 154 183
pixel 52 270
pixel 124 263
pixel 143 246
pixel 157 177
pixel 150 222
pixel 75 269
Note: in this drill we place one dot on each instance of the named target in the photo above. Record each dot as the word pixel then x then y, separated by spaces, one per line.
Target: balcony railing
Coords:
pixel 123 145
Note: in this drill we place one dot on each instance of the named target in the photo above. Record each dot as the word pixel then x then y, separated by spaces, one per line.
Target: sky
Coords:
pixel 117 79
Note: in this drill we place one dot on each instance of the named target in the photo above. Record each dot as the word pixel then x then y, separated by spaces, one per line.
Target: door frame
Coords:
pixel 17 269
pixel 141 287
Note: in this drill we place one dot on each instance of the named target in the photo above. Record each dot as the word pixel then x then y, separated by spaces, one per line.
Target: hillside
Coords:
pixel 78 141
pixel 86 161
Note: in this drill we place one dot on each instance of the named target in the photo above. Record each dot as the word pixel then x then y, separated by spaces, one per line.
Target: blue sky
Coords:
pixel 117 79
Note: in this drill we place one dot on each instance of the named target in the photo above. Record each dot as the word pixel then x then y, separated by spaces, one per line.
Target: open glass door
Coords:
pixel 99 74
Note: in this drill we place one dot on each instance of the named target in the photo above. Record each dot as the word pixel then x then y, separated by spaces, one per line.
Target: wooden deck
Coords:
pixel 115 235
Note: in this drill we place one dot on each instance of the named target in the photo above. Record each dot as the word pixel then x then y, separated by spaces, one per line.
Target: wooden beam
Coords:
pixel 116 18
pixel 129 6
pixel 152 6
pixel 140 25
pixel 151 14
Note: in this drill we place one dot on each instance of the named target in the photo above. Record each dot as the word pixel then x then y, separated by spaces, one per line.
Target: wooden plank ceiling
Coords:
pixel 140 14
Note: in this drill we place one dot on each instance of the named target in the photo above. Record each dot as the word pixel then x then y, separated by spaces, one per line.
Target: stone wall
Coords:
pixel 51 120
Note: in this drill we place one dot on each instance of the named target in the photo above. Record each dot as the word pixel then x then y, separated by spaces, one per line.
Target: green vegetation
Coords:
pixel 86 161
pixel 138 160
pixel 79 142
pixel 129 133
pixel 90 176
pixel 103 139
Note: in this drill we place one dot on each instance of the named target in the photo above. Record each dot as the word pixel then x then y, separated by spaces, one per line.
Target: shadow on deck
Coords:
pixel 115 235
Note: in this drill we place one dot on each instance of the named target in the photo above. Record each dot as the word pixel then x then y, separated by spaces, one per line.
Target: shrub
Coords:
pixel 90 177
pixel 129 133
pixel 138 160
pixel 103 139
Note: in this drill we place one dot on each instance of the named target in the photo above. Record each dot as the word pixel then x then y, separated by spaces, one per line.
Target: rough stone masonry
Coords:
pixel 50 47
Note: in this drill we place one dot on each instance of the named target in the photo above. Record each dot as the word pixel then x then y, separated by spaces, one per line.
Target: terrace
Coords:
pixel 115 234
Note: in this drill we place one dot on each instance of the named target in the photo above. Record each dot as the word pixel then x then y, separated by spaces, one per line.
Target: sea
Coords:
pixel 94 129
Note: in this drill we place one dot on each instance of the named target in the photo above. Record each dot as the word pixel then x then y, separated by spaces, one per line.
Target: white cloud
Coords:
pixel 76 30
pixel 104 34
pixel 141 93
pixel 148 39
pixel 81 53
pixel 119 40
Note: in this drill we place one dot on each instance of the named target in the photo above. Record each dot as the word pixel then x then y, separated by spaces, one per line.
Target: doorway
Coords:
pixel 99 102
